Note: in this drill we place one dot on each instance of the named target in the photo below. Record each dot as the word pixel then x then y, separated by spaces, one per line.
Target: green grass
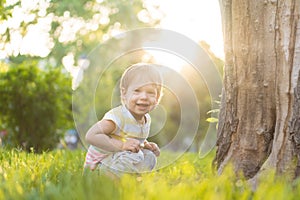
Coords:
pixel 58 175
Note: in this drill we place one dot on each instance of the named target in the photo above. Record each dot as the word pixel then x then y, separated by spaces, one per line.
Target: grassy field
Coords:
pixel 58 175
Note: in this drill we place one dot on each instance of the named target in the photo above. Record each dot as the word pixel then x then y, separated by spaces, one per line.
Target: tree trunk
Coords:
pixel 259 121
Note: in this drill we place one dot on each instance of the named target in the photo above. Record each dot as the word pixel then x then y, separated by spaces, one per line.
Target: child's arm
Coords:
pixel 98 135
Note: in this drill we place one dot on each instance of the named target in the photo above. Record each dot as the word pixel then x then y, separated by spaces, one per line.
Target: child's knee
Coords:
pixel 150 159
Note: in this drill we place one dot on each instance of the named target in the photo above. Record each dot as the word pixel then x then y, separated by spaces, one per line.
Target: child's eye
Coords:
pixel 152 93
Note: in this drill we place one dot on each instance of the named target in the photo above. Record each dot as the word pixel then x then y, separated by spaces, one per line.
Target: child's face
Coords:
pixel 141 100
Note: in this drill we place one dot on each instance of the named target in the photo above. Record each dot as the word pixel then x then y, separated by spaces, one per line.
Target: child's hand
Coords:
pixel 152 147
pixel 131 145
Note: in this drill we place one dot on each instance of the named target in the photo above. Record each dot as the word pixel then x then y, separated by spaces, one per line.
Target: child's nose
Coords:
pixel 144 95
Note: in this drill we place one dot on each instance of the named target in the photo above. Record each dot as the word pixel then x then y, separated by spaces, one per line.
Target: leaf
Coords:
pixel 212 120
pixel 213 111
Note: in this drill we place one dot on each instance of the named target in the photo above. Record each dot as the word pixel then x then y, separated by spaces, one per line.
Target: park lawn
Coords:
pixel 58 175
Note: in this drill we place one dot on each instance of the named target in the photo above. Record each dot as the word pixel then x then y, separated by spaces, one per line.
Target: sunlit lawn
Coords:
pixel 58 175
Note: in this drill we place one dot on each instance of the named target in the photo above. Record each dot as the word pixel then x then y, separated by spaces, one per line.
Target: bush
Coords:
pixel 35 104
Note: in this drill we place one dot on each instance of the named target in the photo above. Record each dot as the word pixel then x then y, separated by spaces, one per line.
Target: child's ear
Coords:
pixel 123 92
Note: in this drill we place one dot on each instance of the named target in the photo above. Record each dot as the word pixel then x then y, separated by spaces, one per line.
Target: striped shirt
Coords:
pixel 126 127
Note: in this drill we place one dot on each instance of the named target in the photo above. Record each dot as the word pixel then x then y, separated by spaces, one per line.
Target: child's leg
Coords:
pixel 148 163
pixel 123 162
pixel 129 162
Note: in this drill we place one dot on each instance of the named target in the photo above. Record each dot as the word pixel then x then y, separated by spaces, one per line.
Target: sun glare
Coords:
pixel 164 58
pixel 196 19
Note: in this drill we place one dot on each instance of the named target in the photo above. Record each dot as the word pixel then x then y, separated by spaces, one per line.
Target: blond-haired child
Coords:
pixel 118 142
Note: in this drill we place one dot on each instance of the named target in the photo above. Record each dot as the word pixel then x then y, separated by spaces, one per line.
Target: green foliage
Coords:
pixel 64 16
pixel 54 175
pixel 34 105
pixel 5 12
pixel 58 175
pixel 74 6
pixel 214 111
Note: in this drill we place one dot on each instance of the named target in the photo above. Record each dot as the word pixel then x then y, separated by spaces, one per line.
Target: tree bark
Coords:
pixel 259 121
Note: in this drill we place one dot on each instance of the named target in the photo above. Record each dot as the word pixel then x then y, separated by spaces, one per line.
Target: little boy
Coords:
pixel 118 142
